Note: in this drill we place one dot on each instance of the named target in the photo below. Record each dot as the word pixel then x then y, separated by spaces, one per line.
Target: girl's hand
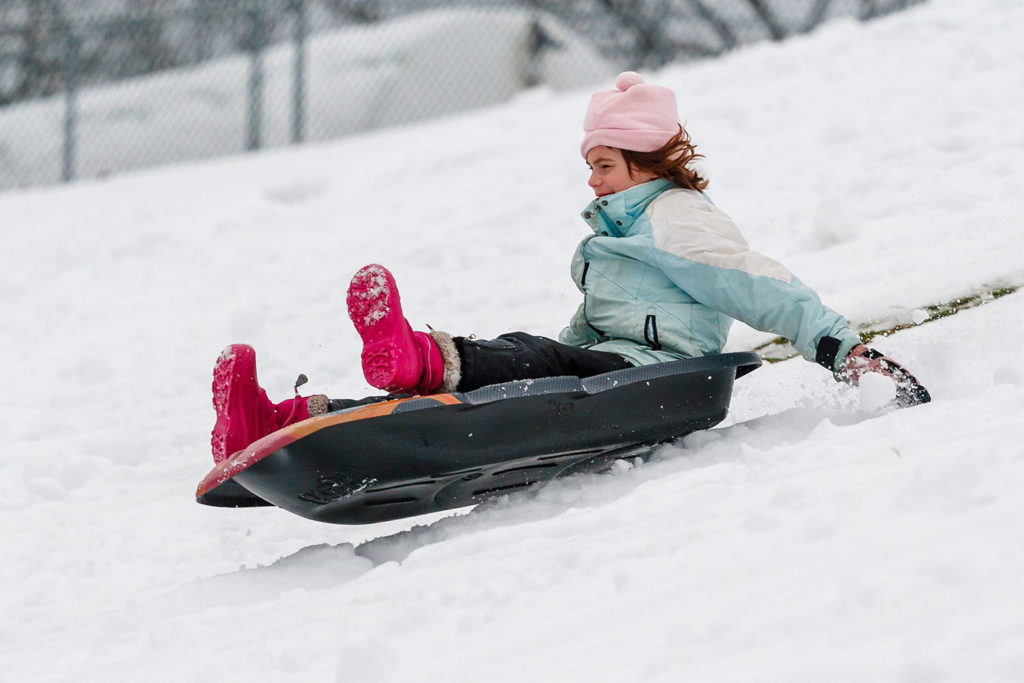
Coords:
pixel 863 359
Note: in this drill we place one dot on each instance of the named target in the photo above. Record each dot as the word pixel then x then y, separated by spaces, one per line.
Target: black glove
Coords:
pixel 863 359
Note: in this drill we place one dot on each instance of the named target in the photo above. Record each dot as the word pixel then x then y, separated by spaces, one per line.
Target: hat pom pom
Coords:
pixel 627 79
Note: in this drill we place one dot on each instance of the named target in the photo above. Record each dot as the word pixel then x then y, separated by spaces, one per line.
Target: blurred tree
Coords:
pixel 40 59
pixel 767 17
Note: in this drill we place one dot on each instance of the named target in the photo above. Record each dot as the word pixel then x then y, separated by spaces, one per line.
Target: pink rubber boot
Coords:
pixel 394 357
pixel 244 413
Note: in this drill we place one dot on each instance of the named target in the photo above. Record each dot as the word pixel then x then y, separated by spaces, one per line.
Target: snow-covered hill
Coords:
pixel 811 537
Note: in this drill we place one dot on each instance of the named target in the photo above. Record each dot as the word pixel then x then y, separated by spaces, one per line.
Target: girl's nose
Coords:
pixel 593 181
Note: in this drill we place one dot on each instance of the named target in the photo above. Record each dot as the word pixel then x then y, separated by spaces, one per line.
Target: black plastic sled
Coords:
pixel 417 455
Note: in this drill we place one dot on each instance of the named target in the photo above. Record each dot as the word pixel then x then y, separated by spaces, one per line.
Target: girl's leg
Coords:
pixel 398 359
pixel 336 404
pixel 519 355
pixel 512 356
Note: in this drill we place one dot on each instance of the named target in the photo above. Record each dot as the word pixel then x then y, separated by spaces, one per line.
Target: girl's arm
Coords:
pixel 700 249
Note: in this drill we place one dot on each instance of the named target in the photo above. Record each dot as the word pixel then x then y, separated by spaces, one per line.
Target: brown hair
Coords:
pixel 671 161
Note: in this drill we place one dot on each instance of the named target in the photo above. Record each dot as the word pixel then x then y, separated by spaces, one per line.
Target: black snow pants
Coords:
pixel 512 356
pixel 519 355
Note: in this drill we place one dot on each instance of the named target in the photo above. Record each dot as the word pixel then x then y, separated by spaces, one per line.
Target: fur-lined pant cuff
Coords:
pixel 452 362
pixel 317 405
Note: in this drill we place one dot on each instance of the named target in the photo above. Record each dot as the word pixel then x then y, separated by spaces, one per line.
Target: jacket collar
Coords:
pixel 614 214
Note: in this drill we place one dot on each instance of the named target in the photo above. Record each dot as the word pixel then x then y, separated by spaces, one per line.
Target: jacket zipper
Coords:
pixel 651 332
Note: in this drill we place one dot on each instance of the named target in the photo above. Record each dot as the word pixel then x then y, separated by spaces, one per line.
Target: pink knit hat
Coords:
pixel 635 116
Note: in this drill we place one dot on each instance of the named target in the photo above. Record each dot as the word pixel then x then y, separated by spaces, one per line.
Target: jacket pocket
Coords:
pixel 651 332
pixel 583 277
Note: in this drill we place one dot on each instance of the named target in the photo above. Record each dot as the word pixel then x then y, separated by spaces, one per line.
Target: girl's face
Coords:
pixel 609 173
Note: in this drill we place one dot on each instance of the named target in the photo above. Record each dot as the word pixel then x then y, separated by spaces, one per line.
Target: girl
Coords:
pixel 663 276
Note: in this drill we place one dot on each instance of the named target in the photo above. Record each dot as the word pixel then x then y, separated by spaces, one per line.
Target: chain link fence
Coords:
pixel 93 87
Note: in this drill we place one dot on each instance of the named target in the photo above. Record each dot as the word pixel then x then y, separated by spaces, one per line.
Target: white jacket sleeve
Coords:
pixel 702 251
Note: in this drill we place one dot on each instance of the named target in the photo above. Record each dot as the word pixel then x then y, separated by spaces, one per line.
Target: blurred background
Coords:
pixel 94 87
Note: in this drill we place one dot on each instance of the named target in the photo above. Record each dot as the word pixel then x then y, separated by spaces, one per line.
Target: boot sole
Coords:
pixel 368 298
pixel 222 371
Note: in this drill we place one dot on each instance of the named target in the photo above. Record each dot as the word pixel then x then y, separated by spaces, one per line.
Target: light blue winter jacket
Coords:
pixel 666 272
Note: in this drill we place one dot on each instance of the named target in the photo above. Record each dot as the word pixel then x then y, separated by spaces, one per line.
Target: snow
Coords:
pixel 812 536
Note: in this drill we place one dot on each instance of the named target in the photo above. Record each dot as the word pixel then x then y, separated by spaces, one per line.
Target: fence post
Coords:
pixel 257 39
pixel 299 75
pixel 70 105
